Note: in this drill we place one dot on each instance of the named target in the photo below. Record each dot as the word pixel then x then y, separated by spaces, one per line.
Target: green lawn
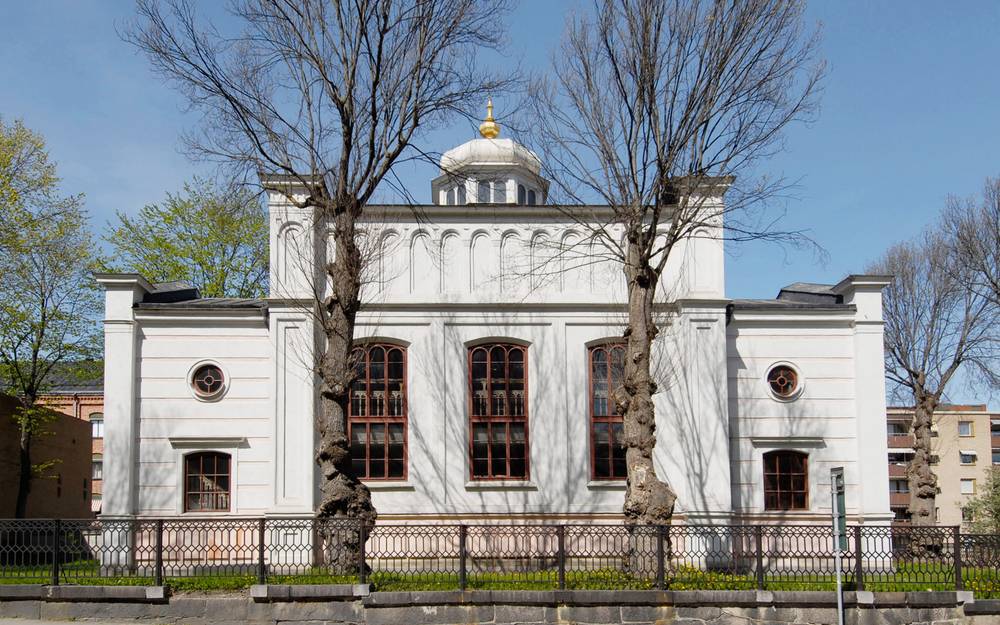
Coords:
pixel 985 583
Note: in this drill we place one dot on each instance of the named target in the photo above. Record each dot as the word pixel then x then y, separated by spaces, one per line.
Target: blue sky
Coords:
pixel 909 115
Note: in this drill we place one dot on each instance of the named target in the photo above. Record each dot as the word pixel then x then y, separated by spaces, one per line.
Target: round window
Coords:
pixel 208 381
pixel 783 381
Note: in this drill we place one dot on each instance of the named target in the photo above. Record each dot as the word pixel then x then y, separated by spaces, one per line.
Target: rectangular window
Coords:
pixel 967 457
pixel 996 456
pixel 899 486
pixel 896 429
pixel 206 482
pixel 498 412
pixel 97 467
pixel 900 458
pixel 97 425
pixel 968 487
pixel 965 428
pixel 786 480
pixel 967 516
pixel 377 414
pixel 607 369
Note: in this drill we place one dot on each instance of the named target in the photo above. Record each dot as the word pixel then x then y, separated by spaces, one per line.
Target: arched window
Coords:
pixel 461 193
pixel 96 424
pixel 607 449
pixel 206 482
pixel 451 196
pixel 786 480
pixel 483 192
pixel 531 197
pixel 522 195
pixel 498 412
pixel 500 191
pixel 377 416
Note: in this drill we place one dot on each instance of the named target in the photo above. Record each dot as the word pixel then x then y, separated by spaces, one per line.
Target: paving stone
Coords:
pixel 646 613
pixel 429 615
pixel 20 609
pixel 702 613
pixel 598 615
pixel 521 614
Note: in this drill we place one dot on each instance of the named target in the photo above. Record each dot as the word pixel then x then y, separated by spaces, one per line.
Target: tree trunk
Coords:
pixel 922 481
pixel 648 500
pixel 24 474
pixel 342 495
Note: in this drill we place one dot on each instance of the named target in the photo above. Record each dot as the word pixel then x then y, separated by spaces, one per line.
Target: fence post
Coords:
pixel 362 538
pixel 462 555
pixel 758 540
pixel 957 549
pixel 859 571
pixel 56 551
pixel 261 565
pixel 660 557
pixel 158 572
pixel 561 540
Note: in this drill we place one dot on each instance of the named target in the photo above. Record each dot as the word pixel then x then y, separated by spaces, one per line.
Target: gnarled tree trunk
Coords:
pixel 648 500
pixel 922 480
pixel 342 495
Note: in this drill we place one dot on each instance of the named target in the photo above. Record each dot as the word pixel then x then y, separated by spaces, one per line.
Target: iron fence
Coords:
pixel 502 556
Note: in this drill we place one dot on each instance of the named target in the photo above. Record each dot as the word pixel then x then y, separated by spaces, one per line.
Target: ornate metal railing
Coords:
pixel 506 556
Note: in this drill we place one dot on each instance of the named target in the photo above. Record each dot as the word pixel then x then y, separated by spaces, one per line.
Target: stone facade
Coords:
pixel 342 605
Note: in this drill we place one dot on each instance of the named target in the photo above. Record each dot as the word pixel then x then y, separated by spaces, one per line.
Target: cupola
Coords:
pixel 490 170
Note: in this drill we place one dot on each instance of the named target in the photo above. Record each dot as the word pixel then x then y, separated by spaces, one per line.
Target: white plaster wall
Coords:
pixel 821 421
pixel 168 410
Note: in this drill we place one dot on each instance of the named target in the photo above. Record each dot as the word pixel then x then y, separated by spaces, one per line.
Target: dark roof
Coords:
pixel 810 293
pixel 204 303
pixel 69 378
pixel 787 304
pixel 169 292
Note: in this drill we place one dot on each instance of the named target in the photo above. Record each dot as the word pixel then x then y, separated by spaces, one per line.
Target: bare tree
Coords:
pixel 974 226
pixel 653 108
pixel 935 325
pixel 326 97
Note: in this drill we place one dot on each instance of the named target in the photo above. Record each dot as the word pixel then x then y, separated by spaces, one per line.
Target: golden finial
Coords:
pixel 489 128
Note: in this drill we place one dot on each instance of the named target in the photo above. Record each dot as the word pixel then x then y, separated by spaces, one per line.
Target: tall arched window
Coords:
pixel 461 192
pixel 522 196
pixel 786 480
pixel 96 424
pixel 500 191
pixel 531 197
pixel 377 416
pixel 498 412
pixel 206 482
pixel 483 192
pixel 607 448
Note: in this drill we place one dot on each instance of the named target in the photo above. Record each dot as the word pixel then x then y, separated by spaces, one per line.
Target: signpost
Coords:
pixel 839 531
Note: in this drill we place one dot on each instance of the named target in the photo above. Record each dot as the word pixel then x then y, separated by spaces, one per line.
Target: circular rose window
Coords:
pixel 783 381
pixel 208 381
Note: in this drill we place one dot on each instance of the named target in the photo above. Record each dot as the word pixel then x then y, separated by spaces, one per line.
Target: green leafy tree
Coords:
pixel 48 302
pixel 210 235
pixel 985 508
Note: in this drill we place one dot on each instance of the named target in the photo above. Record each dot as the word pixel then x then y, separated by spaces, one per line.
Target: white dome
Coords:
pixel 489 152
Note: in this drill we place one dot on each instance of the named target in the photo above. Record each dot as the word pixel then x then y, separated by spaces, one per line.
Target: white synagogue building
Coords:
pixel 483 383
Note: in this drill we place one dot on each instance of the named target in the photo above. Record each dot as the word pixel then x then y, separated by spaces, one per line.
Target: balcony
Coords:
pixel 899 500
pixel 897 470
pixel 901 441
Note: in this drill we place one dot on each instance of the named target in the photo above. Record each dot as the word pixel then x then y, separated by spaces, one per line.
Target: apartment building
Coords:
pixel 965 444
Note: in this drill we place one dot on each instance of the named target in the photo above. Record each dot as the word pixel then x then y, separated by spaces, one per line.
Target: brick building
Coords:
pixel 64 491
pixel 965 445
pixel 78 392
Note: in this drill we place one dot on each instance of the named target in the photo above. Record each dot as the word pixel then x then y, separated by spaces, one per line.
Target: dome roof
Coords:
pixel 491 153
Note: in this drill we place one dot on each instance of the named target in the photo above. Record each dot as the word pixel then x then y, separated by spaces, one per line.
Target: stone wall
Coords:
pixel 269 605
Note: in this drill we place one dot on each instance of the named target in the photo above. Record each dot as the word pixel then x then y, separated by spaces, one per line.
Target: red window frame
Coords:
pixel 373 407
pixel 786 480
pixel 498 403
pixel 603 413
pixel 210 474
